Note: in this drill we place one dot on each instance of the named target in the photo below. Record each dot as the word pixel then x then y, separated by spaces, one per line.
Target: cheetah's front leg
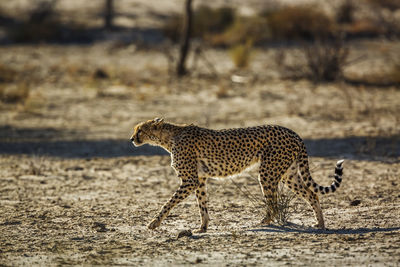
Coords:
pixel 184 190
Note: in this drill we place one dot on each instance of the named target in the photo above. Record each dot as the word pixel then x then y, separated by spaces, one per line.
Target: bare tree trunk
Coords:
pixel 185 41
pixel 108 14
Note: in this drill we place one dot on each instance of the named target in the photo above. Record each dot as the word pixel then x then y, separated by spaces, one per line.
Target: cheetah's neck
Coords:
pixel 167 134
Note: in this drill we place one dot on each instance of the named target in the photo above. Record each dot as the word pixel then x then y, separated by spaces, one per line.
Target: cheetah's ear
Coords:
pixel 157 121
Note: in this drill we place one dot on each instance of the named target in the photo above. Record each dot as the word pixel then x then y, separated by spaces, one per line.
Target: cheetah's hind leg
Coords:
pixel 201 195
pixel 295 182
pixel 269 177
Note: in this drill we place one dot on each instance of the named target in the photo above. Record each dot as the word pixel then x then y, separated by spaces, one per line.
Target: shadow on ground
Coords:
pixel 294 228
pixel 44 25
pixel 66 144
pixel 55 143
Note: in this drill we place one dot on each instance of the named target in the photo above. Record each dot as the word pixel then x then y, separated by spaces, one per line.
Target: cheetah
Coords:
pixel 200 153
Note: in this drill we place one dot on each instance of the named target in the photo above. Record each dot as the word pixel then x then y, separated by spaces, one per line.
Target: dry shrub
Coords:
pixel 241 54
pixel 386 14
pixel 363 28
pixel 223 27
pixel 394 74
pixel 11 92
pixel 43 24
pixel 206 21
pixel 243 29
pixel 388 4
pixel 356 28
pixel 326 60
pixel 7 74
pixel 301 22
pixel 345 12
pixel 173 27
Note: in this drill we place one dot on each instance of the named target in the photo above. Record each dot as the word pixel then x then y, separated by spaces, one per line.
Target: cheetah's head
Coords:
pixel 147 132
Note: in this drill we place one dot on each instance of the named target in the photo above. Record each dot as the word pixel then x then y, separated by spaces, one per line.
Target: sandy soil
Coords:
pixel 95 211
pixel 73 190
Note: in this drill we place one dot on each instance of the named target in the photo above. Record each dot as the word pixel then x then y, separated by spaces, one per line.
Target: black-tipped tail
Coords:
pixel 335 184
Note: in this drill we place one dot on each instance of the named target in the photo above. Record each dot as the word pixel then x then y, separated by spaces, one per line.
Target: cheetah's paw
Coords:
pixel 154 224
pixel 319 226
pixel 200 231
pixel 266 221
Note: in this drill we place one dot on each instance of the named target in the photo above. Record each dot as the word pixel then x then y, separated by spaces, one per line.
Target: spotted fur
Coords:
pixel 199 153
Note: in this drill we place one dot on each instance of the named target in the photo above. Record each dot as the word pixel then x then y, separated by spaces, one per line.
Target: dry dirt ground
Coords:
pixel 73 190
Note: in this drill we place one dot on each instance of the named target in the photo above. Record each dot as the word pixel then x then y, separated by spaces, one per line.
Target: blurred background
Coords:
pixel 75 76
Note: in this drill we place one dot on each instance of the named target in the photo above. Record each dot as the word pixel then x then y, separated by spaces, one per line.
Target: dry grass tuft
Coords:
pixel 33 103
pixel 241 54
pixel 285 206
pixel 35 166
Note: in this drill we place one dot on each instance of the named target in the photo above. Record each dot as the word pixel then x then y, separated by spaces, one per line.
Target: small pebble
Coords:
pixel 355 202
pixel 185 233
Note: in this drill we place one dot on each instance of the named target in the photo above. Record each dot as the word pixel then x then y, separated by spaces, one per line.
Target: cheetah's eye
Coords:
pixel 138 133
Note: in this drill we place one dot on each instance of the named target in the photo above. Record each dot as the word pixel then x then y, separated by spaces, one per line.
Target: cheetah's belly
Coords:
pixel 222 168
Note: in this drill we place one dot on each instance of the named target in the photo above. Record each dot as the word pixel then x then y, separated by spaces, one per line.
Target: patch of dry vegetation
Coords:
pixel 284 206
pixel 243 29
pixel 42 24
pixel 12 91
pixel 345 12
pixel 389 4
pixel 385 16
pixel 300 23
pixel 225 27
pixel 207 21
pixel 18 93
pixel 241 54
pixel 323 61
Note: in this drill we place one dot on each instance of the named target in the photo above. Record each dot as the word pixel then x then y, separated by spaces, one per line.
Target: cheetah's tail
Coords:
pixel 335 184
